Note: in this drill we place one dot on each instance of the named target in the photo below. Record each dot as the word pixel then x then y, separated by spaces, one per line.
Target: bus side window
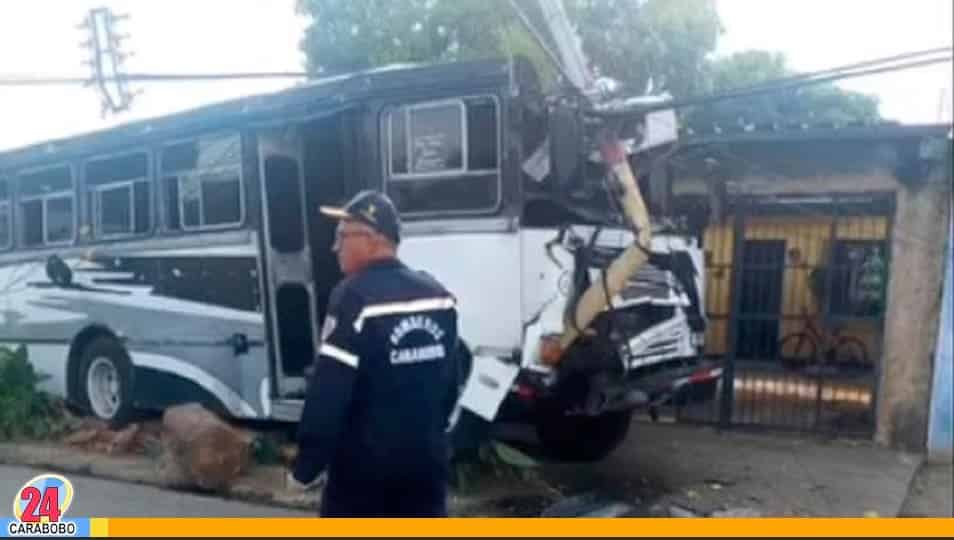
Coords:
pixel 201 183
pixel 47 206
pixel 6 215
pixel 119 195
pixel 443 157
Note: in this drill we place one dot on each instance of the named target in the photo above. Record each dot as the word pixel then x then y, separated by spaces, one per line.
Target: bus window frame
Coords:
pixel 384 123
pixel 160 175
pixel 72 193
pixel 150 180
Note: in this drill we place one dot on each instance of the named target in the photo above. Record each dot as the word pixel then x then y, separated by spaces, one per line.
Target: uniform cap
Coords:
pixel 372 208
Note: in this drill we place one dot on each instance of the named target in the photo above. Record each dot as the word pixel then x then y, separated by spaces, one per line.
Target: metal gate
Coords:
pixel 795 294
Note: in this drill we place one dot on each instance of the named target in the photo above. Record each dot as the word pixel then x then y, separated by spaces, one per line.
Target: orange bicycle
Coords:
pixel 813 344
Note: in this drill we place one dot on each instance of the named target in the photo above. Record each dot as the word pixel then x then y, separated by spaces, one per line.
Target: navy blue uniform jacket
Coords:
pixel 377 406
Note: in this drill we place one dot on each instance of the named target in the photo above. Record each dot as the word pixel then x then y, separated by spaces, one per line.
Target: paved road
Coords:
pixel 95 497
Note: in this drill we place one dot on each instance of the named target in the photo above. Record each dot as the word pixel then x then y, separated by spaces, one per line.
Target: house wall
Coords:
pixel 917 234
pixel 918 248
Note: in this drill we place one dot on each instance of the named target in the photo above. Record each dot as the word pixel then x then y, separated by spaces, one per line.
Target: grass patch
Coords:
pixel 26 412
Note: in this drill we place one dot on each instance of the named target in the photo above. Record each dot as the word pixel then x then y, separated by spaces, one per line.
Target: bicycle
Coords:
pixel 800 349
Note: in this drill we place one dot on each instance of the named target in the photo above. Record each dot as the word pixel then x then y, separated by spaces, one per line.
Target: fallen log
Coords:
pixel 208 451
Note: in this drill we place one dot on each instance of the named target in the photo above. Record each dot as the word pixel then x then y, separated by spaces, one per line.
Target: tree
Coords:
pixel 347 35
pixel 635 41
pixel 650 46
pixel 819 104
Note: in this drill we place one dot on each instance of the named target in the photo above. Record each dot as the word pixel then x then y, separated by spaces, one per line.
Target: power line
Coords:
pixel 42 81
pixel 151 77
pixel 802 81
pixel 849 67
pixel 776 85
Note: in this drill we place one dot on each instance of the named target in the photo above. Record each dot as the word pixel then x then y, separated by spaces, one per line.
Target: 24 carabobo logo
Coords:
pixel 39 507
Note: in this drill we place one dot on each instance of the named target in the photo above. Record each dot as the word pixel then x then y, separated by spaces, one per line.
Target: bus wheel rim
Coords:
pixel 102 387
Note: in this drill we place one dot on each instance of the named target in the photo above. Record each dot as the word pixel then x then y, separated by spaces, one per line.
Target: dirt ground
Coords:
pixel 701 470
pixel 931 493
pixel 660 470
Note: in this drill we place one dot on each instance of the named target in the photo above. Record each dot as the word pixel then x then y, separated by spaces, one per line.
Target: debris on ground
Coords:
pixel 122 441
pixel 680 512
pixel 588 505
pixel 210 452
pixel 96 436
pixel 741 512
pixel 288 453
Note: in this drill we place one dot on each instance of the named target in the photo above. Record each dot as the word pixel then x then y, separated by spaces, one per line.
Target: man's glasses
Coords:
pixel 341 236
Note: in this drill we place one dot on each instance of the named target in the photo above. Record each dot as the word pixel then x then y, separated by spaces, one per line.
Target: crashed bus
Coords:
pixel 183 259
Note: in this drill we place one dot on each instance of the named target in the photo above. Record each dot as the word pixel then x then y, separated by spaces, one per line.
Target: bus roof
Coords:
pixel 311 98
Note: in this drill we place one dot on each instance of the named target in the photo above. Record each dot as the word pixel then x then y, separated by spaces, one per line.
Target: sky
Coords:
pixel 39 37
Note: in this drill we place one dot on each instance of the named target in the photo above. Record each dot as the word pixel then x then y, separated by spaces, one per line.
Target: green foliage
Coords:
pixel 512 457
pixel 266 450
pixel 25 411
pixel 494 460
pixel 651 46
pixel 348 35
pixel 823 103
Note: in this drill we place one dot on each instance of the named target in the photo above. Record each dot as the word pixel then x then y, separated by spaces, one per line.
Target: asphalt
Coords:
pixel 96 498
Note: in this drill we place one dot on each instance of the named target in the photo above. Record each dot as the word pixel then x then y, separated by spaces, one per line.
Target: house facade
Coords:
pixel 824 255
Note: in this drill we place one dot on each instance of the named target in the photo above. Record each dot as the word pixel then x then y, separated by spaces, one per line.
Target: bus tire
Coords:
pixel 582 438
pixel 105 382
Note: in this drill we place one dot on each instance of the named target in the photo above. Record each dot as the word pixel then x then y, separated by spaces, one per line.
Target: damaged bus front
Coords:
pixel 603 301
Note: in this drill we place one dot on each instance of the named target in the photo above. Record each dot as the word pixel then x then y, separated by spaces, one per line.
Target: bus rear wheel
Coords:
pixel 106 382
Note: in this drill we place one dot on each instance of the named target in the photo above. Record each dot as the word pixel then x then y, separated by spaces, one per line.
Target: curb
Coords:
pixel 143 470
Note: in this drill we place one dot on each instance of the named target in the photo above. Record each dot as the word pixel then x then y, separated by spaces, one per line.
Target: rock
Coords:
pixel 122 441
pixel 171 473
pixel 741 512
pixel 210 452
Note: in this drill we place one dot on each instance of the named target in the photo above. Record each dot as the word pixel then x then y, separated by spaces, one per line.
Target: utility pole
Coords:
pixel 107 58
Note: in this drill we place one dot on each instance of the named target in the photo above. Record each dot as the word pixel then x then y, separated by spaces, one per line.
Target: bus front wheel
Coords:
pixel 582 438
pixel 106 382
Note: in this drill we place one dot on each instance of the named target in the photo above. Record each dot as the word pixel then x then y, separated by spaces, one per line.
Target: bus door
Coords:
pixel 288 258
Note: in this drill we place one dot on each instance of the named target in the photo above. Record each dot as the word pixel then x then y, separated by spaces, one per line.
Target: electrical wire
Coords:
pixel 850 67
pixel 771 87
pixel 149 77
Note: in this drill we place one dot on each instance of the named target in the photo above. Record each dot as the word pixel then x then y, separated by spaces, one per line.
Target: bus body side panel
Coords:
pixel 481 269
pixel 191 312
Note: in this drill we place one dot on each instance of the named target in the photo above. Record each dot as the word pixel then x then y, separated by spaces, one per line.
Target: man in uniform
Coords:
pixel 384 383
